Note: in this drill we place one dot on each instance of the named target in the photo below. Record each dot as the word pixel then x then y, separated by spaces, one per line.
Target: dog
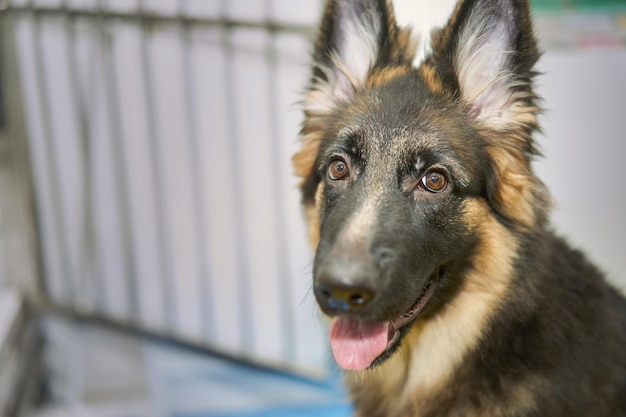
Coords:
pixel 447 290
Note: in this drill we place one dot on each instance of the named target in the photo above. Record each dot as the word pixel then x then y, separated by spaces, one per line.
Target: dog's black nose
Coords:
pixel 346 300
pixel 340 289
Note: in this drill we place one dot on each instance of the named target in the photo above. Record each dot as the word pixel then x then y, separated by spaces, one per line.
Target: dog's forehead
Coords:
pixel 401 125
pixel 402 117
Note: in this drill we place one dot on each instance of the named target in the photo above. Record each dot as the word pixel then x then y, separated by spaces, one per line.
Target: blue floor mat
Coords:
pixel 336 410
pixel 193 385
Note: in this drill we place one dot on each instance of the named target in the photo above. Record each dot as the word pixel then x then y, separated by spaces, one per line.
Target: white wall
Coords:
pixel 584 146
pixel 423 15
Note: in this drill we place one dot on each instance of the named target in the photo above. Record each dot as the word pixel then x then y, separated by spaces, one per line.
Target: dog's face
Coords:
pixel 397 162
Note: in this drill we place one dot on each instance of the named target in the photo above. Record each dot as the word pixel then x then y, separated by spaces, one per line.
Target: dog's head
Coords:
pixel 401 164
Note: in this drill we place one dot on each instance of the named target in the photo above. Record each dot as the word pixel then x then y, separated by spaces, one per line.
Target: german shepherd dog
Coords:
pixel 448 292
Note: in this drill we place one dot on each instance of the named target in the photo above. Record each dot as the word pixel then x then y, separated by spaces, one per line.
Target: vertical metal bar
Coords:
pixel 286 291
pixel 87 258
pixel 157 167
pixel 120 171
pixel 243 268
pixel 4 22
pixel 30 275
pixel 206 288
pixel 49 150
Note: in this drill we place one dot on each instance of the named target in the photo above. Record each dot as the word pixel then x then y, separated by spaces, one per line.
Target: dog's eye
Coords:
pixel 338 169
pixel 435 182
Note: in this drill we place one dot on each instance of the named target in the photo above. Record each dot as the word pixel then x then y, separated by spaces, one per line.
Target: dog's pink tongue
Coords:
pixel 356 344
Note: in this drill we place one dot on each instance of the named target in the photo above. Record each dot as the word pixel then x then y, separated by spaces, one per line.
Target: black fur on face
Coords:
pixel 380 214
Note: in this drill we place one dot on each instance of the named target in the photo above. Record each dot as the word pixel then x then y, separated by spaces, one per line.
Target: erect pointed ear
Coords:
pixel 486 53
pixel 355 37
pixel 359 44
pixel 484 57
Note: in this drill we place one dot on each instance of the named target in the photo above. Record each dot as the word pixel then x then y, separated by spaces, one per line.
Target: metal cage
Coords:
pixel 157 137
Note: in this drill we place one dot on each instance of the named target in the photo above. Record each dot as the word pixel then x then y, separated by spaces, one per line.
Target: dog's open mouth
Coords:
pixel 357 344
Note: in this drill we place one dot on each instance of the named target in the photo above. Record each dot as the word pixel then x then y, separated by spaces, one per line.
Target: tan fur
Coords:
pixel 419 373
pixel 312 214
pixel 357 230
pixel 433 82
pixel 303 161
pixel 385 75
pixel 518 189
pixel 514 192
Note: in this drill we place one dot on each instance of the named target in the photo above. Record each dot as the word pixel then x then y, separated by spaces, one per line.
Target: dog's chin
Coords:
pixel 400 327
pixel 397 328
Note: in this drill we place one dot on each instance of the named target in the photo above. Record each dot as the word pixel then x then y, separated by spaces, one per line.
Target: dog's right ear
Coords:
pixel 355 37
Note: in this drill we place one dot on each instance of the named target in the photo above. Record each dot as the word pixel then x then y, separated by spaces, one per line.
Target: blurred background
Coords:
pixel 153 258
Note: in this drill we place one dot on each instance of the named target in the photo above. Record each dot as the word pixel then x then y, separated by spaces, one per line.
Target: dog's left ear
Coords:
pixel 485 56
pixel 487 52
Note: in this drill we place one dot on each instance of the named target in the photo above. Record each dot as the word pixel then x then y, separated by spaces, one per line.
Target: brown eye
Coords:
pixel 435 182
pixel 338 169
